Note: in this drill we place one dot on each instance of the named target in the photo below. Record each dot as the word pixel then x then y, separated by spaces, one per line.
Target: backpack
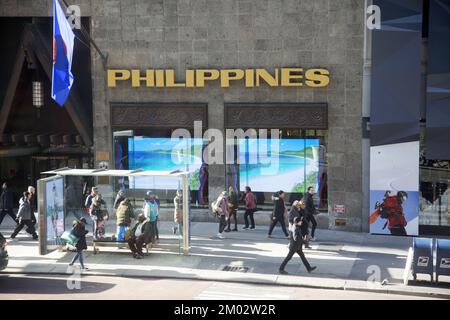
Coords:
pixel 151 210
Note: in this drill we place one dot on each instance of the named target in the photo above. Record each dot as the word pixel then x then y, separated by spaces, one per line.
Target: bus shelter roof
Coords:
pixel 115 173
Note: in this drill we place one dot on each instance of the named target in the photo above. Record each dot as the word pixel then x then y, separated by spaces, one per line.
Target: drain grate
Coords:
pixel 329 246
pixel 235 269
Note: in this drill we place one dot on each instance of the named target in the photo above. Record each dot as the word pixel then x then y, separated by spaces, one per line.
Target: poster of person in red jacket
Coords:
pixel 394 189
pixel 391 213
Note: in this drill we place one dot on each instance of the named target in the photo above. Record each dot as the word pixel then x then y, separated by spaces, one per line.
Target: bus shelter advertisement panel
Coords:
pixel 54 200
pixel 394 189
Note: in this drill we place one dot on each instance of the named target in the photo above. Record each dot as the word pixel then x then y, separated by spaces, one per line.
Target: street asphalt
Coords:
pixel 344 260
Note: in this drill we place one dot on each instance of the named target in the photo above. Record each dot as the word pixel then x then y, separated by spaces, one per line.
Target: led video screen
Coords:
pixel 290 165
pixel 164 154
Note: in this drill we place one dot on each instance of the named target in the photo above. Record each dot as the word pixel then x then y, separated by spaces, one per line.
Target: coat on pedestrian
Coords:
pixel 233 200
pixel 124 213
pixel 278 207
pixel 6 199
pixel 80 232
pixel 296 240
pixel 98 209
pixel 147 231
pixel 223 204
pixel 309 203
pixel 25 212
pixel 250 200
pixel 299 214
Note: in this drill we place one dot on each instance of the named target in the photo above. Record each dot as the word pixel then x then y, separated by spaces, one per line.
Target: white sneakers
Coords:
pixel 220 236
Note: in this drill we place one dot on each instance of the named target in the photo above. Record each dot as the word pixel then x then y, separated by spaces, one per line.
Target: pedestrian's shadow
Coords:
pixel 35 285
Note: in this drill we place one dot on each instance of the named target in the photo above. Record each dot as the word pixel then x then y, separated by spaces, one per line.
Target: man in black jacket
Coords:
pixel 279 209
pixel 295 245
pixel 140 234
pixel 311 211
pixel 6 203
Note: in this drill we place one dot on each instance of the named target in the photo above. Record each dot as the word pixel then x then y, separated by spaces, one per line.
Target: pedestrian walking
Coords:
pixel 311 212
pixel 295 246
pixel 233 204
pixel 6 203
pixel 178 213
pixel 33 203
pixel 301 212
pixel 278 212
pixel 250 208
pixel 124 215
pixel 80 232
pixel 25 217
pixel 221 208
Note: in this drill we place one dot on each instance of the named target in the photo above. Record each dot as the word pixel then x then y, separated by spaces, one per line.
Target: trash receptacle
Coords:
pixel 442 258
pixel 423 257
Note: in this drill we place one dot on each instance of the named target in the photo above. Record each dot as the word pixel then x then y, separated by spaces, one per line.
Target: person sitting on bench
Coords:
pixel 140 235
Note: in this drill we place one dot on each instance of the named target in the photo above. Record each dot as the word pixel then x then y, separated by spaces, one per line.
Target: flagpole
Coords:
pixel 86 34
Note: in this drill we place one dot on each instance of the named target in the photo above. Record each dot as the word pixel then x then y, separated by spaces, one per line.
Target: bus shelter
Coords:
pixel 52 208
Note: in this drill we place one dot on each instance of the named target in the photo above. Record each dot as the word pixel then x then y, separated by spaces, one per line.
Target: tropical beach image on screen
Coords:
pixel 164 154
pixel 297 168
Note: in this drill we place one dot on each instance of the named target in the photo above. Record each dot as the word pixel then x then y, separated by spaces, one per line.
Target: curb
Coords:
pixel 277 282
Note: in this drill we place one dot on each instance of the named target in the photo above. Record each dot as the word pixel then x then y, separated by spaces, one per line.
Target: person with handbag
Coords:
pixel 79 231
pixel 295 244
pixel 311 211
pixel 233 205
pixel 279 210
pixel 25 215
pixel 178 213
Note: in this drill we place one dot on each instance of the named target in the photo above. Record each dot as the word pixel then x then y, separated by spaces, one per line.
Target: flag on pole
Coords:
pixel 63 40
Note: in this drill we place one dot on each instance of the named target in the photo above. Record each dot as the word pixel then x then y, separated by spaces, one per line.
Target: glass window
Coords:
pixel 434 207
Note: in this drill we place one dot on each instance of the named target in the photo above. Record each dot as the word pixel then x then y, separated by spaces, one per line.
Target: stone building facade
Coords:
pixel 229 34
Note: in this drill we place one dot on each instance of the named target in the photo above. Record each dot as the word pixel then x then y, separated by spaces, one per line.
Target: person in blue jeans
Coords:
pixel 80 232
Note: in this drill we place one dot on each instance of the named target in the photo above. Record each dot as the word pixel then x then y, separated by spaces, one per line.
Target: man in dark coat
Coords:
pixel 279 209
pixel 296 219
pixel 6 203
pixel 311 211
pixel 141 233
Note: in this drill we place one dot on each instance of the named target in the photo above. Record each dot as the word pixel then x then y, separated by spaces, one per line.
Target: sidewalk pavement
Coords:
pixel 344 260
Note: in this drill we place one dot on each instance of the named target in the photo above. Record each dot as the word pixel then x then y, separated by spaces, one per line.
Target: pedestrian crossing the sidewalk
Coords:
pixel 236 291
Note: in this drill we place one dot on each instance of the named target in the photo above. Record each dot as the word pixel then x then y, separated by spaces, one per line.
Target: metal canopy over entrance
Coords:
pixel 63 172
